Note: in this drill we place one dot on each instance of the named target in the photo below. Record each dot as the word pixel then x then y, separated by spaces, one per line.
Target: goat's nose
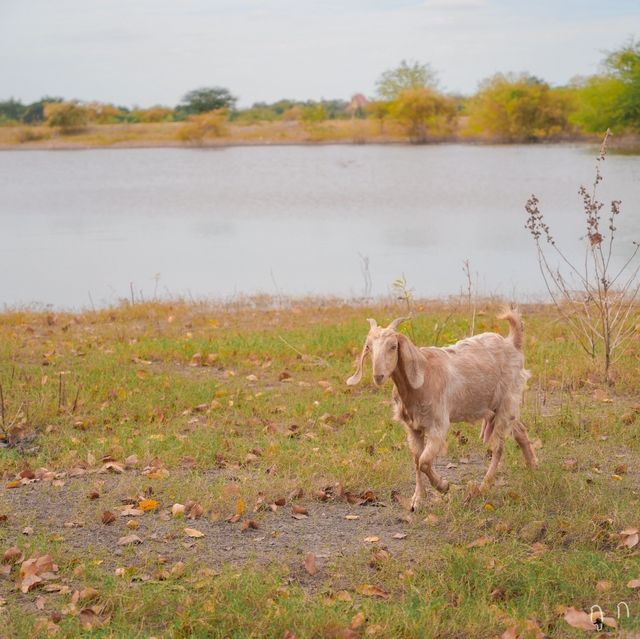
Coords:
pixel 378 379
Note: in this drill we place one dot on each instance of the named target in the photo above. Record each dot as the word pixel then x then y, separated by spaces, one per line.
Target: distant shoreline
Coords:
pixel 339 132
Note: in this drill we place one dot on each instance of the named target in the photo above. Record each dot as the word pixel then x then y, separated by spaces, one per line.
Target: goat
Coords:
pixel 478 378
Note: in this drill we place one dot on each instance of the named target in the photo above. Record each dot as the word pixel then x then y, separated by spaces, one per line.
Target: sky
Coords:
pixel 146 52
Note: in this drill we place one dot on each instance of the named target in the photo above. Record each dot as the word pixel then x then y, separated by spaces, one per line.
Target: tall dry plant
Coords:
pixel 595 299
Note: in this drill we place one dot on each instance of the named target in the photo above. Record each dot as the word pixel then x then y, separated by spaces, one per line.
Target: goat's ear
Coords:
pixel 357 376
pixel 412 360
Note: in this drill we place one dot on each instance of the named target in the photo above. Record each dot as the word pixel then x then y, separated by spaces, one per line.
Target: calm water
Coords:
pixel 82 225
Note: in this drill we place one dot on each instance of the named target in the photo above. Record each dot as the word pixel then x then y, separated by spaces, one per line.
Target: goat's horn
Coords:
pixel 396 322
pixel 373 323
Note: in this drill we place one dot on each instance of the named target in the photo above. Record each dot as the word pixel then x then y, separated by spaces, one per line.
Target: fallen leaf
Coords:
pixel 578 619
pixel 310 564
pixel 112 467
pixel 400 535
pixel 28 530
pixel 372 539
pixel 343 595
pixel 148 504
pixel 352 517
pixel 177 510
pixel 249 524
pixel 299 510
pixel 240 507
pixel 481 541
pixel 93 495
pixel 88 594
pixel 630 537
pixel 34 570
pixel 357 620
pixel 108 517
pixel 14 484
pixel 604 585
pixel 634 583
pixel 192 532
pixel 129 540
pixel 369 590
pixel 133 524
pixel 12 555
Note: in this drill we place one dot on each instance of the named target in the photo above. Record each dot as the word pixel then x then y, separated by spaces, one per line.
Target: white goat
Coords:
pixel 478 378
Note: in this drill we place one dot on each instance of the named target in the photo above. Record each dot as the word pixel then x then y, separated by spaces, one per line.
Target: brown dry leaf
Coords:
pixel 299 510
pixel 400 535
pixel 343 595
pixel 142 374
pixel 93 495
pixel 310 564
pixel 510 633
pixel 603 585
pixel 634 583
pixel 12 555
pixel 578 619
pixel 630 537
pixel 240 507
pixel 14 484
pixel 369 590
pixel 133 524
pixel 130 511
pixel 281 501
pixel 192 532
pixel 112 467
pixel 90 618
pixel 194 510
pixel 129 540
pixel 108 517
pixel 249 524
pixel 148 504
pixel 177 510
pixel 431 519
pixel 352 517
pixel 481 541
pixel 288 635
pixel 177 569
pixel 372 539
pixel 357 620
pixel 34 570
pixel 88 594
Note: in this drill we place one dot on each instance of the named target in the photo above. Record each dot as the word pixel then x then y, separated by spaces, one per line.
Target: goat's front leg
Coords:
pixel 435 443
pixel 415 439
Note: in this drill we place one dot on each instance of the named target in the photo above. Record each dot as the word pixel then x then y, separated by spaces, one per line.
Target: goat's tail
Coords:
pixel 516 327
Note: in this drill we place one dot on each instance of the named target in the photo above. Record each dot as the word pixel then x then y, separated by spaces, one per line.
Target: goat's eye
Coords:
pixel 393 347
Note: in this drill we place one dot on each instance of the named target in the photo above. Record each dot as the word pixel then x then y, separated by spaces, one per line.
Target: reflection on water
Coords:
pixel 216 223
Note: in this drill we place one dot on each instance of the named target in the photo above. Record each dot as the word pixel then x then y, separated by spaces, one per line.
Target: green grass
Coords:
pixel 129 388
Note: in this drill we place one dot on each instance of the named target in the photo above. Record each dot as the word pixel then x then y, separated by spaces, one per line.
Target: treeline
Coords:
pixel 506 107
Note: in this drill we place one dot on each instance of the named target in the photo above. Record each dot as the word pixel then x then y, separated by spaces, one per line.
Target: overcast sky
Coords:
pixel 144 52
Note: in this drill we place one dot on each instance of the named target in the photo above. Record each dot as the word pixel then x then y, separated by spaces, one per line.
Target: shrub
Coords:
pixel 198 128
pixel 70 117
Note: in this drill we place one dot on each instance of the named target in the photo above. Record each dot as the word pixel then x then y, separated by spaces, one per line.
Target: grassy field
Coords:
pixel 295 486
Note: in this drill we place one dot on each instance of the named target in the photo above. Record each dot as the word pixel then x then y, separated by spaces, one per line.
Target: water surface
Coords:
pixel 80 227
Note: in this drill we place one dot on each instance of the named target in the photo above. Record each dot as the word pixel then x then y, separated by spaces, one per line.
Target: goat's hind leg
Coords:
pixel 521 436
pixel 415 439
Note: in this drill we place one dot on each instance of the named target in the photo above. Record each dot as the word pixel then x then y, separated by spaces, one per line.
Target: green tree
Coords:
pixel 624 66
pixel 423 112
pixel 519 108
pixel 71 117
pixel 11 110
pixel 207 99
pixel 598 103
pixel 407 75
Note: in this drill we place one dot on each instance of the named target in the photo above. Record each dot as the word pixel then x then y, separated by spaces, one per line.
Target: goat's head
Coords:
pixel 389 350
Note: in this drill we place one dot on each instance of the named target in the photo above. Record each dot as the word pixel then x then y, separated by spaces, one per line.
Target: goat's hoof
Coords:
pixel 415 504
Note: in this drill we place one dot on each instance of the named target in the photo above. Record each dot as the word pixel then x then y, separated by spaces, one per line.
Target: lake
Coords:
pixel 82 228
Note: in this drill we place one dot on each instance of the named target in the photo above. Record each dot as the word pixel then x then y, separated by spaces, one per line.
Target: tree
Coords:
pixel 407 75
pixel 12 110
pixel 624 65
pixel 207 99
pixel 71 117
pixel 598 103
pixel 423 111
pixel 519 108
